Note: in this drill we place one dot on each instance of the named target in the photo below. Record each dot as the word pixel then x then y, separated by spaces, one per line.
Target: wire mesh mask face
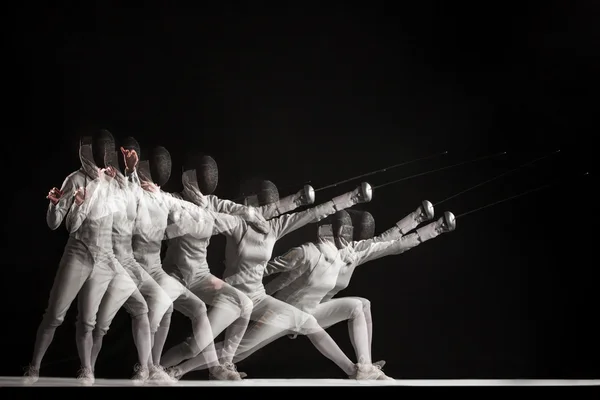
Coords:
pixel 342 228
pixel 103 143
pixel 265 193
pixel 364 224
pixel 207 174
pixel 160 165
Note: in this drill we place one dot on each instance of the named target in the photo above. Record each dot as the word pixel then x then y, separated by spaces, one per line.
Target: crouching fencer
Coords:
pixel 87 265
pixel 164 216
pixel 133 289
pixel 186 259
pixel 247 254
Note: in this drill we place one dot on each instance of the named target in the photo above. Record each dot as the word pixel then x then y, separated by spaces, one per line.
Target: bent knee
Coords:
pixel 357 310
pixel 100 331
pixel 366 304
pixel 52 320
pixel 311 324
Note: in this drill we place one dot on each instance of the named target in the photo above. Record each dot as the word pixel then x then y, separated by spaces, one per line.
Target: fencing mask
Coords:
pixel 207 171
pixel 86 156
pixel 363 223
pixel 260 192
pixel 103 143
pixel 342 228
pixel 160 165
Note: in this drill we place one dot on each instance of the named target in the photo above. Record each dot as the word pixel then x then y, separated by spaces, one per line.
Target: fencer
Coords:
pixel 164 216
pixel 247 253
pixel 145 305
pixel 86 267
pixel 302 284
pixel 186 259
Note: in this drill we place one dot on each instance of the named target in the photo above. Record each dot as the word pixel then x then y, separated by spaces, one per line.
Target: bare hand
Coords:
pixel 79 196
pixel 54 195
pixel 150 187
pixel 130 157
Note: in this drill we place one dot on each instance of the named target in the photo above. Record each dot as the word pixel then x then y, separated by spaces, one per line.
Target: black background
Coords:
pixel 297 94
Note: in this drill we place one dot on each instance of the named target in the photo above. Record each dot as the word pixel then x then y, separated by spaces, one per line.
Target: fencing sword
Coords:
pixel 511 197
pixel 360 176
pixel 438 169
pixel 379 171
pixel 496 177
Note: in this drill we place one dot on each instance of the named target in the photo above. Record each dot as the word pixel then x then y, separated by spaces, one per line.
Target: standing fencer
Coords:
pixel 84 268
pixel 164 216
pixel 147 304
pixel 247 253
pixel 186 259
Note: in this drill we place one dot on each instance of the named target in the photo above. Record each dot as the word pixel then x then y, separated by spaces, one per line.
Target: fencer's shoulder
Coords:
pixel 76 176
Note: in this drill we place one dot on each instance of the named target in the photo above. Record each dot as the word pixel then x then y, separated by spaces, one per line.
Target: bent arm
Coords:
pixel 291 265
pixel 93 203
pixel 56 213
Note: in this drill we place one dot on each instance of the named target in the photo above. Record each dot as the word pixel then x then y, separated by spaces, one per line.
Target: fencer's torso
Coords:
pixel 318 279
pixel 149 229
pixel 124 219
pixel 186 254
pixel 94 218
pixel 246 254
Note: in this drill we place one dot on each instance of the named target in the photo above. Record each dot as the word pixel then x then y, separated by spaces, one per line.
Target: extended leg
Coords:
pixel 74 269
pixel 351 310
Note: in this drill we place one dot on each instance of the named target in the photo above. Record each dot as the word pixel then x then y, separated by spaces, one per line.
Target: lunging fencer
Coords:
pixel 186 259
pixel 312 285
pixel 247 253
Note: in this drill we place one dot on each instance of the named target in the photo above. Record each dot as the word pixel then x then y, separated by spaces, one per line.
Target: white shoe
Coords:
pixel 225 372
pixel 32 375
pixel 86 376
pixel 174 373
pixel 141 374
pixel 158 374
pixel 382 377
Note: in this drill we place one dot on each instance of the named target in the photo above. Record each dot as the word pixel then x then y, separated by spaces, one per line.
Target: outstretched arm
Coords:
pixel 290 222
pixel 423 213
pixel 376 250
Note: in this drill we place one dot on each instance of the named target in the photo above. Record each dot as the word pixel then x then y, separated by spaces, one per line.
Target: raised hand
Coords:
pixel 130 157
pixel 54 195
pixel 79 196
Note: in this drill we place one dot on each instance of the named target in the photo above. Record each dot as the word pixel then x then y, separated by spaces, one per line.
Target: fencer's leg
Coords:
pixel 290 318
pixel 202 334
pixel 74 268
pixel 270 325
pixel 140 325
pixel 160 309
pixel 89 300
pixel 352 310
pixel 160 337
pixel 230 309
